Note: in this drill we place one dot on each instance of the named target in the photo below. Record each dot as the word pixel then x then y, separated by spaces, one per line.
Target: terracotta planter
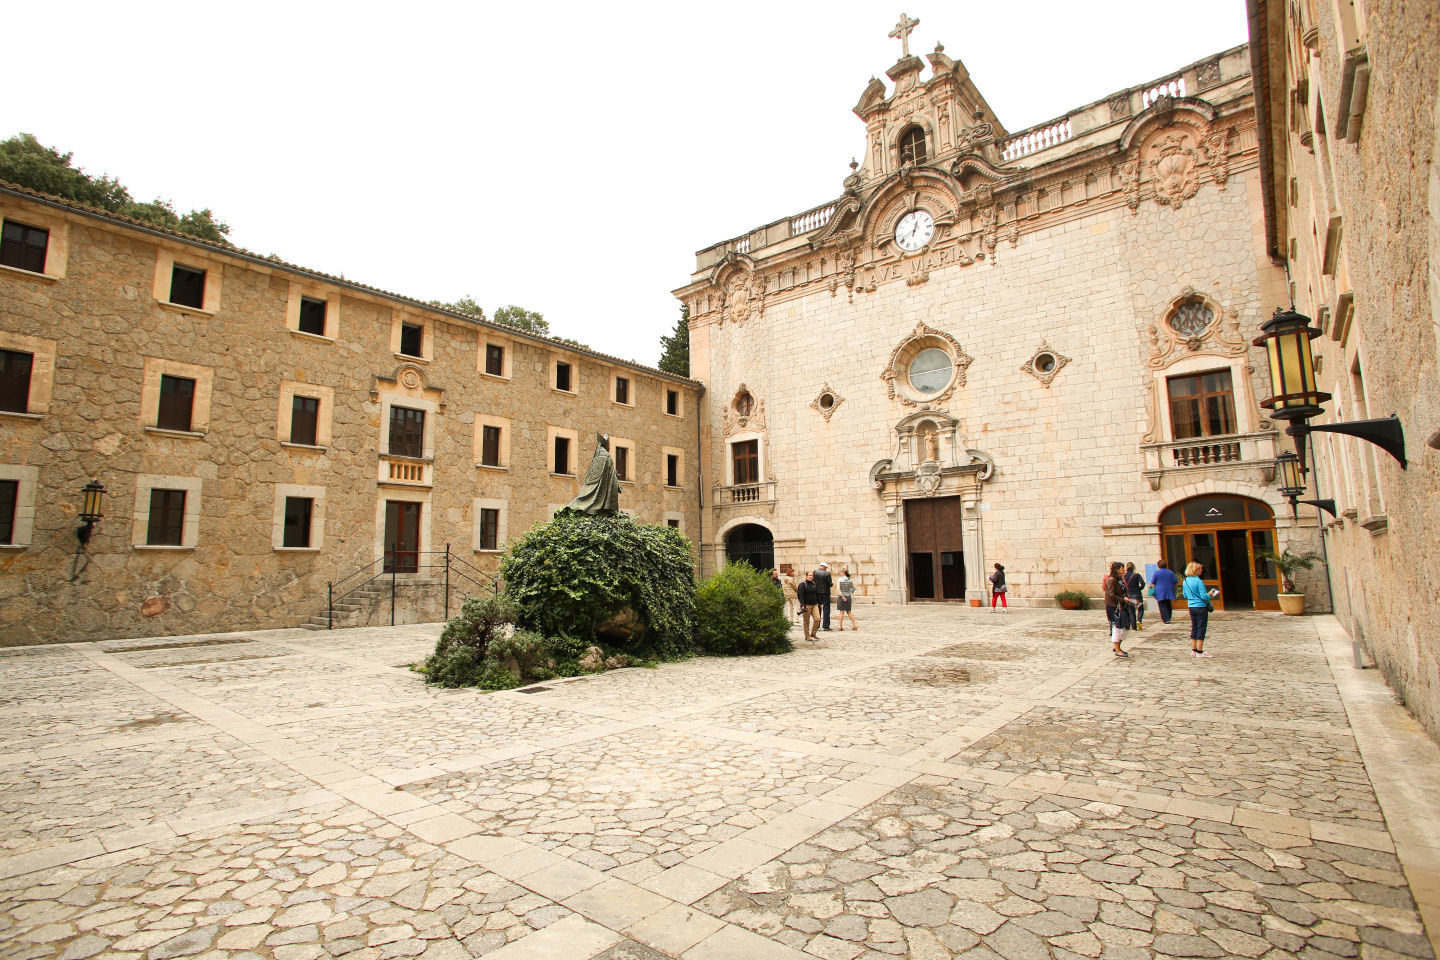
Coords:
pixel 1069 604
pixel 1291 604
pixel 974 601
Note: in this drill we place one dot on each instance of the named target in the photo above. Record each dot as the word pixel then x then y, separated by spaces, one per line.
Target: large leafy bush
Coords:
pixel 607 580
pixel 741 613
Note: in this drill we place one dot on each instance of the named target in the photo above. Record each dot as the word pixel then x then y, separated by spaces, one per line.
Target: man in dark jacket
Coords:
pixel 823 582
pixel 809 597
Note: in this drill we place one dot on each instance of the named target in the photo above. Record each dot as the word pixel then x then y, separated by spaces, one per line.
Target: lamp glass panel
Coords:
pixel 1292 367
pixel 1272 354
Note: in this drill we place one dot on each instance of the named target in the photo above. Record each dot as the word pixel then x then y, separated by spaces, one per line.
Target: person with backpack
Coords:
pixel 1135 590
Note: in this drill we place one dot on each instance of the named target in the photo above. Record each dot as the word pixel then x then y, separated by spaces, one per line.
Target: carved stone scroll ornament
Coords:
pixel 1128 173
pixel 900 356
pixel 743 296
pixel 827 401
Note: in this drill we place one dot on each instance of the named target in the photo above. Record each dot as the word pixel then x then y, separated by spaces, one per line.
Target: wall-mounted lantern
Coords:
pixel 90 512
pixel 1296 400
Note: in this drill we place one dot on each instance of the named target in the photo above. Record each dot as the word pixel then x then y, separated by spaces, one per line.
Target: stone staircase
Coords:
pixel 349 608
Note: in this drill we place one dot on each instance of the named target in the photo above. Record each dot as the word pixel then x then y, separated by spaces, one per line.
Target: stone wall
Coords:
pixel 105 322
pixel 1376 300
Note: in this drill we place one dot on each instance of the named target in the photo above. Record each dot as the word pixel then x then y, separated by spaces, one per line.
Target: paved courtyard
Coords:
pixel 944 783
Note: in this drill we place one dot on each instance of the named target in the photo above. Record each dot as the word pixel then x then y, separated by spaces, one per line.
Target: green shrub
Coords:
pixel 740 612
pixel 535 656
pixel 577 573
pixel 460 655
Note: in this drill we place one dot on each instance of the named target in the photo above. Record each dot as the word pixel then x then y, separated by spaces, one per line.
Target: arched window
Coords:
pixel 912 146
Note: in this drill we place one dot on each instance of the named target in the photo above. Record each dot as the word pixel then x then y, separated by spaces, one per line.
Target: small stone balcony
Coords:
pixel 405 472
pixel 744 495
pixel 1184 458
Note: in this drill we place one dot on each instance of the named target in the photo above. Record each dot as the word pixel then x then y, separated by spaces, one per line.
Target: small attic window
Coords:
pixel 912 146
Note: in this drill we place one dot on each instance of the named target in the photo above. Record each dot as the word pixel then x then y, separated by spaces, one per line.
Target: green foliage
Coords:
pixel 461 654
pixel 572 574
pixel 522 319
pixel 1288 563
pixel 1073 596
pixel 741 613
pixel 465 305
pixel 29 163
pixel 675 349
pixel 536 656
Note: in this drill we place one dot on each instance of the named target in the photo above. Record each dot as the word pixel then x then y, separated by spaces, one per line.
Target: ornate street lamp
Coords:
pixel 1295 398
pixel 90 512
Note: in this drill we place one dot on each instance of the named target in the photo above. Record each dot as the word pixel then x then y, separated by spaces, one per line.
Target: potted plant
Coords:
pixel 1292 601
pixel 1071 599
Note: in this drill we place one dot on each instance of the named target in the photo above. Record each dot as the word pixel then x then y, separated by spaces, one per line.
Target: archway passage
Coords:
pixel 1226 535
pixel 751 543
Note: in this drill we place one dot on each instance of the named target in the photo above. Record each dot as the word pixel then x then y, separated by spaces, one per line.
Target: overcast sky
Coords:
pixel 567 157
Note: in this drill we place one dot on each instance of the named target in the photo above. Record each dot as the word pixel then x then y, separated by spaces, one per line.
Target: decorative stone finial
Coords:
pixel 902 33
pixel 854 165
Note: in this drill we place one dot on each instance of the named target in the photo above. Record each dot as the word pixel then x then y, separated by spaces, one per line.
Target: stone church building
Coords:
pixel 1031 348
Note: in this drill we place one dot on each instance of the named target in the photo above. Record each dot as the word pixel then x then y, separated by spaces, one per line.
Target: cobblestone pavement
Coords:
pixel 944 783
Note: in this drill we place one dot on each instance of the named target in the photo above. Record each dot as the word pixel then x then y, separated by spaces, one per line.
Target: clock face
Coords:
pixel 914 230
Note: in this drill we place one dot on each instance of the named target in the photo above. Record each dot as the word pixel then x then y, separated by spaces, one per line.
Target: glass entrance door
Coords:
pixel 1226 536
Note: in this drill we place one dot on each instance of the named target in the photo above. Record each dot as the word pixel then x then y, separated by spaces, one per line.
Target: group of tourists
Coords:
pixel 812 594
pixel 1125 589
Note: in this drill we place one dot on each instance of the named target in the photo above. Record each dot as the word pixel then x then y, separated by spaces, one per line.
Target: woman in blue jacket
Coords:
pixel 1197 598
pixel 1164 584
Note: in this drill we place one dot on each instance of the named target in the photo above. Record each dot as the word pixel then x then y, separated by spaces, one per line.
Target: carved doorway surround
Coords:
pixel 930 460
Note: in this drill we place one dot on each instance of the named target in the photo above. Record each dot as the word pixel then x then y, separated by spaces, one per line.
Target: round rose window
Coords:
pixel 930 371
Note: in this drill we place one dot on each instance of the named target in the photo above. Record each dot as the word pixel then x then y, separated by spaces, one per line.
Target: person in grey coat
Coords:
pixel 823 583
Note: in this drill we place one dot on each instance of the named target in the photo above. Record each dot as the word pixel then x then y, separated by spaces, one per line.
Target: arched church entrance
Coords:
pixel 1226 535
pixel 752 544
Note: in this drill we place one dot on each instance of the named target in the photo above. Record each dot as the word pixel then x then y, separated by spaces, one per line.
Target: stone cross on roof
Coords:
pixel 902 33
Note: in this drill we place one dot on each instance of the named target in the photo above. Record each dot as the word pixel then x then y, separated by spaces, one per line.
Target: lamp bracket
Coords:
pixel 1327 504
pixel 1385 432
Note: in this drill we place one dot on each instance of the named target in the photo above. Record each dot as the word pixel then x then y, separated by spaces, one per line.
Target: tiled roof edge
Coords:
pixel 242 254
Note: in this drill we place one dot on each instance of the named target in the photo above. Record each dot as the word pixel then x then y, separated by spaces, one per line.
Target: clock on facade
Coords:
pixel 914 230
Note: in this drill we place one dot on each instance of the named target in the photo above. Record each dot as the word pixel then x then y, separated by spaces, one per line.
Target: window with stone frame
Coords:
pixel 298 514
pixel 490 446
pixel 23 246
pixel 494 360
pixel 672 402
pixel 187 286
pixel 15 369
pixel 912 146
pixel 312 316
pixel 672 470
pixel 562 376
pixel 1202 405
pixel 622 463
pixel 9 501
pixel 167 518
pixel 622 390
pixel 304 420
pixel 407 432
pixel 412 339
pixel 177 403
pixel 562 455
pixel 745 461
pixel 489 528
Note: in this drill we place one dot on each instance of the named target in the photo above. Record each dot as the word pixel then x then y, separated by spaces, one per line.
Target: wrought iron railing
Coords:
pixel 392 563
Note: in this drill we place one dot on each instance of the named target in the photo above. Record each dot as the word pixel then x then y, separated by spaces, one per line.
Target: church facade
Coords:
pixel 1028 348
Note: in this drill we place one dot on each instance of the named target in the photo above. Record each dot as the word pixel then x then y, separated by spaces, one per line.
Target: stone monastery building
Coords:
pixel 1030 348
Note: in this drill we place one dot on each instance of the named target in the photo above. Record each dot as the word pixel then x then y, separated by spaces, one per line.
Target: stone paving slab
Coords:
pixel 945 782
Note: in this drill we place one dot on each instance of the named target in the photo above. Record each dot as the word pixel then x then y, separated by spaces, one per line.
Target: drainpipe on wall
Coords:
pixel 1320 520
pixel 699 487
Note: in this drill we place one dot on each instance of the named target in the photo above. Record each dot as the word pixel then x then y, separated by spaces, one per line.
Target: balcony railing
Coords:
pixel 745 493
pixel 405 472
pixel 1035 139
pixel 1241 449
